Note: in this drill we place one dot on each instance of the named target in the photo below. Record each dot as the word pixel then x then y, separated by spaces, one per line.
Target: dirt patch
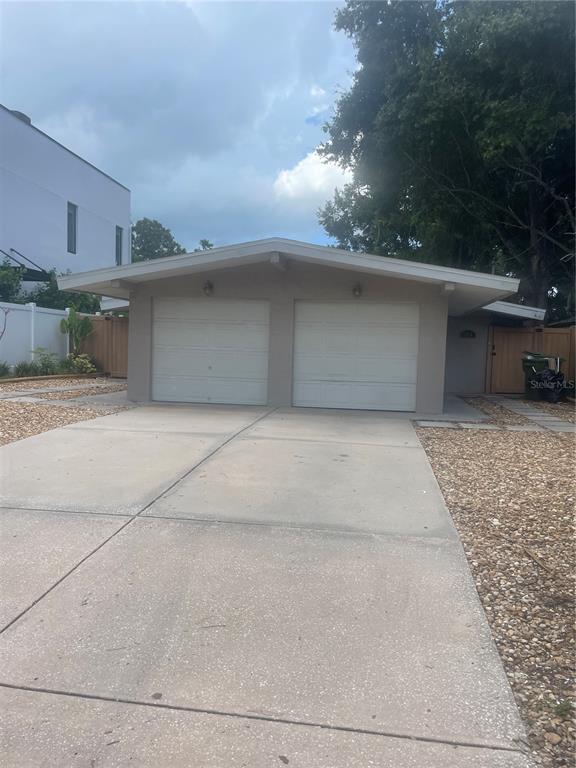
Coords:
pixel 20 420
pixel 511 495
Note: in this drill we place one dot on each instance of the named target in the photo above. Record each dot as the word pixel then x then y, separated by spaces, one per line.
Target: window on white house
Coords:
pixel 119 235
pixel 72 227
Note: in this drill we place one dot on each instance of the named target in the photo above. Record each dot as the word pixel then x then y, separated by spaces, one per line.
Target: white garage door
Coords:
pixel 356 355
pixel 210 351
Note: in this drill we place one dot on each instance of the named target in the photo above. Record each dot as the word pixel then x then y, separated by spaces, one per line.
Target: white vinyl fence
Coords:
pixel 26 327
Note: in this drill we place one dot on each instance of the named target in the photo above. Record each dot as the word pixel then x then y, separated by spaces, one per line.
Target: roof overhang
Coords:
pixel 516 310
pixel 464 290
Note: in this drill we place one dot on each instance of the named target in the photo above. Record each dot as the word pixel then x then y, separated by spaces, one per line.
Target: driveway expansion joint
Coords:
pixel 520 747
pixel 130 520
pixel 205 458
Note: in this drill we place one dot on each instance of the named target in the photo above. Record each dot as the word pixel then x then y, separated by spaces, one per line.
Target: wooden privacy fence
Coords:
pixel 505 347
pixel 107 344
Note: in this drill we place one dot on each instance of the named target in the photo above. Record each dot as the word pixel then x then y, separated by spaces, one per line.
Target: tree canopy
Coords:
pixel 459 127
pixel 43 294
pixel 151 240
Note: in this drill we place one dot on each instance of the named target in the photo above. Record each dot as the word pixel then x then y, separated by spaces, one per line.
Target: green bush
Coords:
pixel 4 369
pixel 48 363
pixel 26 369
pixel 78 364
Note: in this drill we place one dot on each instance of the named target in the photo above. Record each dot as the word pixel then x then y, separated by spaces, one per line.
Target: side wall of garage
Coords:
pixel 282 288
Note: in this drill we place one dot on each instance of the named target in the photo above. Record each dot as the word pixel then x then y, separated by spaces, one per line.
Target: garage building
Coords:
pixel 283 323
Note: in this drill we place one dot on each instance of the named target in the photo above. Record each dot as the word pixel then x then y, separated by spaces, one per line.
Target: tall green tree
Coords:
pixel 10 282
pixel 459 126
pixel 49 295
pixel 151 240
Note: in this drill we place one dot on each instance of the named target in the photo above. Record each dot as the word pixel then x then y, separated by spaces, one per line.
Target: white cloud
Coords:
pixel 310 182
pixel 316 92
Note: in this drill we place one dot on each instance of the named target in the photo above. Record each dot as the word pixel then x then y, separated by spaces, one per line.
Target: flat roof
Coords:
pixel 34 128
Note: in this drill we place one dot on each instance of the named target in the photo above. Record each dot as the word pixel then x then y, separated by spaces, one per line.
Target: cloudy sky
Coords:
pixel 209 112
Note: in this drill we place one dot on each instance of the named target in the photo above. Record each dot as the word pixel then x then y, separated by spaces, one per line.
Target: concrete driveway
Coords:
pixel 222 587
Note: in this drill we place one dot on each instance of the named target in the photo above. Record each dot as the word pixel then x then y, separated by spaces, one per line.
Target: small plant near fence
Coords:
pixel 48 364
pixel 78 327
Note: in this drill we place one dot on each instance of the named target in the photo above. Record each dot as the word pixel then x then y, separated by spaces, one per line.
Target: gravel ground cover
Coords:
pixel 564 410
pixel 20 420
pixel 25 386
pixel 511 495
pixel 64 394
pixel 498 414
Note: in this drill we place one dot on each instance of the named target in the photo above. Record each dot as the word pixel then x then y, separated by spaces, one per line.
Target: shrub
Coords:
pixel 78 364
pixel 48 363
pixel 4 369
pixel 26 369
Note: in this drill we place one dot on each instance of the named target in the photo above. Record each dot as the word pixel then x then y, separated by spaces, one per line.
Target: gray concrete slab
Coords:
pixel 38 548
pixel 96 470
pixel 342 485
pixel 345 630
pixel 105 399
pixel 336 427
pixel 41 729
pixel 457 409
pixel 212 420
pixel 438 424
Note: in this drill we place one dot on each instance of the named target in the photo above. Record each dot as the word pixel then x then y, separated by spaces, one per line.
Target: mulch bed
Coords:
pixel 511 495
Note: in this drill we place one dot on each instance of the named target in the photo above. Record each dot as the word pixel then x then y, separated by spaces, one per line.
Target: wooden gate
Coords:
pixel 505 347
pixel 108 344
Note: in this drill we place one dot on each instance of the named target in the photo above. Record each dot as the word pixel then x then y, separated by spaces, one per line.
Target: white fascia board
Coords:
pixel 108 304
pixel 516 310
pixel 260 250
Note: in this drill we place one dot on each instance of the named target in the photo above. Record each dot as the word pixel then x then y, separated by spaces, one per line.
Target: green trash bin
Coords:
pixel 532 364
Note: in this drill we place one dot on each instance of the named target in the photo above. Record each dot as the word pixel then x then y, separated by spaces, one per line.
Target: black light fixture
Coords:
pixel 357 290
pixel 208 288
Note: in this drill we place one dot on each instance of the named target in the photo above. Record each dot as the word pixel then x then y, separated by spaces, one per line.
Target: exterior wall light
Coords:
pixel 357 290
pixel 208 288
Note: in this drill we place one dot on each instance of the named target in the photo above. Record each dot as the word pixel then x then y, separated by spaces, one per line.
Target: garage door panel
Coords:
pixel 397 397
pixel 339 339
pixel 210 351
pixel 203 335
pixel 356 355
pixel 337 368
pixel 209 390
pixel 213 310
pixel 237 364
pixel 346 313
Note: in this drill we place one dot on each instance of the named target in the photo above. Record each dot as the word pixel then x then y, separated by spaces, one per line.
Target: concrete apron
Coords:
pixel 300 598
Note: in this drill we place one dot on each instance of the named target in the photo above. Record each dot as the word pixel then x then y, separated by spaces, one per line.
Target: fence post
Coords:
pixel 32 306
pixel 67 310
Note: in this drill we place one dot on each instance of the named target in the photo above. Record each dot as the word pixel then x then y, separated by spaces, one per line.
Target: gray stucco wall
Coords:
pixel 466 357
pixel 282 289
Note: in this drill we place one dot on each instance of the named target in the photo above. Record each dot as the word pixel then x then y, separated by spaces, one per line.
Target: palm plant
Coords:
pixel 78 327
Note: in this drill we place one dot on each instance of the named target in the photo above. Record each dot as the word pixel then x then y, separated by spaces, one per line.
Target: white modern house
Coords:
pixel 56 209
